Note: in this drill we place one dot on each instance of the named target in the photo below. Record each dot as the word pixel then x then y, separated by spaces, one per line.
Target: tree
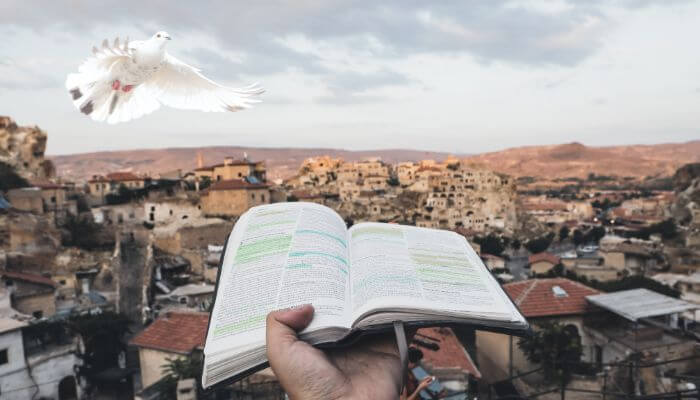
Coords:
pixel 577 237
pixel 179 368
pixel 491 244
pixel 103 336
pixel 556 347
pixel 515 244
pixel 539 244
pixel 563 233
pixel 83 232
pixel 594 235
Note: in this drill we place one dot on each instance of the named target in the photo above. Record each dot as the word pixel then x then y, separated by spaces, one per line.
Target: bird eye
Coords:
pixel 158 35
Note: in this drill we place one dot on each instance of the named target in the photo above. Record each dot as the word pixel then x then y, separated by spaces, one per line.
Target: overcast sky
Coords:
pixel 459 76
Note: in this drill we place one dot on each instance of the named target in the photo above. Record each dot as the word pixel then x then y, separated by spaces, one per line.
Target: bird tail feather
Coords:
pixel 94 98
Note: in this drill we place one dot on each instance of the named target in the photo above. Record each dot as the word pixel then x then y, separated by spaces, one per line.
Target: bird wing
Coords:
pixel 179 85
pixel 91 88
pixel 99 66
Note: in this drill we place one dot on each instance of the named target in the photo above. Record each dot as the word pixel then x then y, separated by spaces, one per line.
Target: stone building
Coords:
pixel 233 197
pixel 541 263
pixel 53 195
pixel 192 239
pixel 177 334
pixel 557 300
pixel 100 186
pixel 26 199
pixel 171 209
pixel 233 169
pixel 30 293
pixel 31 365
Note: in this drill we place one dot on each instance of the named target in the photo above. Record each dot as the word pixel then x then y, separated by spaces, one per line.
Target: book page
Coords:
pixel 404 267
pixel 281 255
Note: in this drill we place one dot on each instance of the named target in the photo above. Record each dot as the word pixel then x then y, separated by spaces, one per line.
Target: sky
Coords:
pixel 457 76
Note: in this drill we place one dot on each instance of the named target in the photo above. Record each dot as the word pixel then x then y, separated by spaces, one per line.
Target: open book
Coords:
pixel 359 280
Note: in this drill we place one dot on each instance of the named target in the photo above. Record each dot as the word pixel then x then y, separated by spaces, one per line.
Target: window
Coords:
pixel 3 357
pixel 38 314
pixel 153 208
pixel 240 175
pixel 171 212
pixel 262 197
pixel 53 199
pixel 252 196
pixel 9 282
pixel 62 281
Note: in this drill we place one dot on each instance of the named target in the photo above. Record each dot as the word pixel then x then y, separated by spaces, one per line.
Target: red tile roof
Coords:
pixel 27 277
pixel 451 353
pixel 234 184
pixel 544 256
pixel 176 332
pixel 535 297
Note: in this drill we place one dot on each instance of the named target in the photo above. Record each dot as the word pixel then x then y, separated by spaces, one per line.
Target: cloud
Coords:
pixel 26 75
pixel 496 30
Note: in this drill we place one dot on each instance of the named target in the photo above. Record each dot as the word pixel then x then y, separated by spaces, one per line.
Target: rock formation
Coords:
pixel 22 148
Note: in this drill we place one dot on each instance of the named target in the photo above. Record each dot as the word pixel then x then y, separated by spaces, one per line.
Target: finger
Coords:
pixel 281 330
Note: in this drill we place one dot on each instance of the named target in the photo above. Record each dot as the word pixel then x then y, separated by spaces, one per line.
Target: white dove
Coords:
pixel 126 81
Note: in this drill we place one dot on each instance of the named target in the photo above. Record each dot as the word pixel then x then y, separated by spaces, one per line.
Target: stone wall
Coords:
pixel 44 303
pixel 23 149
pixel 151 362
pixel 133 268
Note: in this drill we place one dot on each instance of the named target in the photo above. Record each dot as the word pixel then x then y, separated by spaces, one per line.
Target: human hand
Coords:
pixel 370 369
pixel 425 382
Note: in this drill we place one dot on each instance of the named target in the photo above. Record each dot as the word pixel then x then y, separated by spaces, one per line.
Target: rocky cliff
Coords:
pixel 22 149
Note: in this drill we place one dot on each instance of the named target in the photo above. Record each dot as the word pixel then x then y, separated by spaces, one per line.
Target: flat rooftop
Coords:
pixel 640 303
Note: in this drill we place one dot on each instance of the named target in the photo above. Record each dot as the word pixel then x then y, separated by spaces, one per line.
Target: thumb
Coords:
pixel 281 333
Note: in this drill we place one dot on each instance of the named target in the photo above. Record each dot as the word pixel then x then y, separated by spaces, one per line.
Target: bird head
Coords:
pixel 161 37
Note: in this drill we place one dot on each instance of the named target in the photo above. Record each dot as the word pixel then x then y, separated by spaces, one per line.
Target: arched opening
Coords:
pixel 67 389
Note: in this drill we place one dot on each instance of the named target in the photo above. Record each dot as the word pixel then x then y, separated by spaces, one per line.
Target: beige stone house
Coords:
pixel 493 262
pixel 177 334
pixel 26 199
pixel 557 300
pixel 233 197
pixel 233 169
pixel 31 294
pixel 541 263
pixel 100 186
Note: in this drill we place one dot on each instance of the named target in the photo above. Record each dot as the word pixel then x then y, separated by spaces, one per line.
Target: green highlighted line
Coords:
pixel 378 230
pixel 241 325
pixel 315 232
pixel 265 225
pixel 262 248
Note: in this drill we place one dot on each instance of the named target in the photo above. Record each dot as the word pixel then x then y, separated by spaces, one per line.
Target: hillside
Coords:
pixel 281 162
pixel 555 161
pixel 578 160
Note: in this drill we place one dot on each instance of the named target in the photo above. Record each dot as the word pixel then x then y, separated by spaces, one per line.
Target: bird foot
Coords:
pixel 116 84
pixel 127 88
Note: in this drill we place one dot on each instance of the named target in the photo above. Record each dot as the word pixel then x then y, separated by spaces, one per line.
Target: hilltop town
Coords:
pixel 106 280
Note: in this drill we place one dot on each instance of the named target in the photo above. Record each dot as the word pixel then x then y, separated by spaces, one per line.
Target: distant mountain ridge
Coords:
pixel 552 161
